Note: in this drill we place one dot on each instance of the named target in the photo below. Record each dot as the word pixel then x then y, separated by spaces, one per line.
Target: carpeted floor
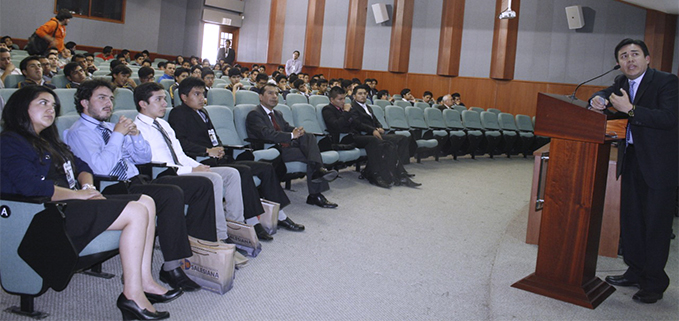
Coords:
pixel 446 251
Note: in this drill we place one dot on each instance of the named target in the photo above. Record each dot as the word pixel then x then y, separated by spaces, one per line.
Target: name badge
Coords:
pixel 70 177
pixel 213 137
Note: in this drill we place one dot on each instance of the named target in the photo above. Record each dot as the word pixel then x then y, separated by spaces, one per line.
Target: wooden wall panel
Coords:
pixel 314 33
pixel 659 38
pixel 450 40
pixel 503 56
pixel 518 97
pixel 418 83
pixel 474 92
pixel 276 28
pixel 353 50
pixel 401 32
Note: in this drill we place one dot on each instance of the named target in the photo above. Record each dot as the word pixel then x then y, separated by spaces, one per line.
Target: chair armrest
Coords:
pixel 25 199
pixel 147 168
pixel 239 147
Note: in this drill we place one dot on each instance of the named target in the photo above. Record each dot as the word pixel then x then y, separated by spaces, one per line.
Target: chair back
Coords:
pixel 379 114
pixel 477 109
pixel 434 118
pixel 415 117
pixel 451 118
pixel 471 119
pixel 12 81
pixel 318 99
pixel 402 103
pixel 292 99
pixel 130 114
pixel 220 96
pixel 240 114
pixel 460 108
pixel 421 105
pixel 167 83
pixel 494 110
pixel 396 117
pixel 506 122
pixel 382 103
pixel 124 99
pixel 247 97
pixel 524 123
pixel 222 119
pixel 67 100
pixel 489 120
pixel 64 123
pixel 59 81
pixel 287 113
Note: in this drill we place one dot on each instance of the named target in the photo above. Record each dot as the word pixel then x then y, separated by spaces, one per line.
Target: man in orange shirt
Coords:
pixel 54 30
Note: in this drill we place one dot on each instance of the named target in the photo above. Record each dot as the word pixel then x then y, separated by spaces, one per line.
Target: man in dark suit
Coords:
pixel 265 124
pixel 384 166
pixel 227 53
pixel 198 137
pixel 648 163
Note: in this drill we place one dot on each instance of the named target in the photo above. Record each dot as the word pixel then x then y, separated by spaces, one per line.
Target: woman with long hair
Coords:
pixel 34 162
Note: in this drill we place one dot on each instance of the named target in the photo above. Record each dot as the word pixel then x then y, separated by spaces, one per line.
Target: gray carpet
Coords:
pixel 446 251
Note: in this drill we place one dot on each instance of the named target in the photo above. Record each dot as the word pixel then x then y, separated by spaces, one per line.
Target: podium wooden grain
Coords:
pixel 571 220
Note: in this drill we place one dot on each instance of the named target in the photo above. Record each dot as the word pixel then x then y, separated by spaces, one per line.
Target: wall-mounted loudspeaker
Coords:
pixel 380 12
pixel 575 18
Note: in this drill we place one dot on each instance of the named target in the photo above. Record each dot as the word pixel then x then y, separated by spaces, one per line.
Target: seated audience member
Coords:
pixel 161 65
pixel 384 95
pixel 322 86
pixel 313 86
pixel 282 83
pixel 146 54
pixel 169 71
pixel 179 75
pixel 196 71
pixel 71 45
pixel 53 59
pixel 6 66
pixel 80 59
pixel 106 53
pixel 208 77
pixel 32 71
pixel 274 74
pixel 126 54
pixel 301 87
pixel 261 81
pixel 456 99
pixel 146 63
pixel 265 123
pixel 206 63
pixel 244 72
pixel 186 64
pixel 46 70
pixel 197 135
pixel 34 162
pixel 120 77
pixel 195 61
pixel 406 95
pixel 7 40
pixel 114 150
pixel 138 59
pixel 446 102
pixel 331 83
pixel 165 148
pixel 115 63
pixel 234 77
pixel 253 75
pixel 90 66
pixel 262 69
pixel 65 57
pixel 427 97
pixel 385 152
pixel 439 100
pixel 179 60
pixel 74 74
pixel 121 57
pixel 146 74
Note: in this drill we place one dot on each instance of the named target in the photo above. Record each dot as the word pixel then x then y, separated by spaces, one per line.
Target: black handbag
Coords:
pixel 37 45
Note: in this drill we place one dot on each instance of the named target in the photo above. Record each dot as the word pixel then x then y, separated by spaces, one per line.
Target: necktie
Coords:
pixel 203 115
pixel 276 127
pixel 631 91
pixel 120 170
pixel 629 140
pixel 157 126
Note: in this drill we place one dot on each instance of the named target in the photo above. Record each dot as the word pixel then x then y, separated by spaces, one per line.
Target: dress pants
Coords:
pixel 270 187
pixel 227 187
pixel 305 149
pixel 403 144
pixel 376 157
pixel 646 217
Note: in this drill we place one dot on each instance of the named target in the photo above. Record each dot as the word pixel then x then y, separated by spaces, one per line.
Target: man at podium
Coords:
pixel 647 162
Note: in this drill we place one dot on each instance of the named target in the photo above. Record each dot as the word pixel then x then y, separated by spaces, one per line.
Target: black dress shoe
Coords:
pixel 646 296
pixel 323 174
pixel 406 181
pixel 377 180
pixel 320 200
pixel 131 311
pixel 620 280
pixel 262 234
pixel 408 174
pixel 289 225
pixel 177 279
pixel 164 298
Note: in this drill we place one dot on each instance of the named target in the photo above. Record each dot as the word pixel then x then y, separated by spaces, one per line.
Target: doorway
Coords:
pixel 214 37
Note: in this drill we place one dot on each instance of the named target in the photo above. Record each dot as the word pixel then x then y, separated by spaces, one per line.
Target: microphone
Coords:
pixel 572 97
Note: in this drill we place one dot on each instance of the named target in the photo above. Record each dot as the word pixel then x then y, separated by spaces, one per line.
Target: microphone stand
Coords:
pixel 572 96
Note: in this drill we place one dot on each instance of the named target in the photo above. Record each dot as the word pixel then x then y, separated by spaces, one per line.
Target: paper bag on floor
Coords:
pixel 269 219
pixel 244 237
pixel 212 265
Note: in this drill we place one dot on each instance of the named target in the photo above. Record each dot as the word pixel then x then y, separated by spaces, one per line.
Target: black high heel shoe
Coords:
pixel 131 311
pixel 164 298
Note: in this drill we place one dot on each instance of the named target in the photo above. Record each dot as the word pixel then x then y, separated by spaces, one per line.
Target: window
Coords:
pixel 109 10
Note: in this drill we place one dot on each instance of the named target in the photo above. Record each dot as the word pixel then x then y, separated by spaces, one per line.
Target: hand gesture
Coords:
pixel 621 103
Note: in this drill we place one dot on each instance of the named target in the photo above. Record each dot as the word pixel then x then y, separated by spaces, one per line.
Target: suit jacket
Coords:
pixel 365 123
pixel 259 126
pixel 339 121
pixel 191 130
pixel 653 127
pixel 230 56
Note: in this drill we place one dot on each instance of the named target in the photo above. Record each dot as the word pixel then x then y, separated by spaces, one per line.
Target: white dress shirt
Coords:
pixel 160 152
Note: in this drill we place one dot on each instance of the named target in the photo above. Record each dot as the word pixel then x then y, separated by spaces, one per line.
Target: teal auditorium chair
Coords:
pixel 177 99
pixel 382 103
pixel 396 117
pixel 362 155
pixel 477 109
pixel 456 136
pixel 329 157
pixel 306 116
pixel 247 97
pixel 494 110
pixel 12 81
pixel 473 138
pixel 526 125
pixel 130 114
pixel 491 138
pixel 167 83
pixel 525 140
pixel 459 108
pixel 314 100
pixel 402 103
pixel 124 99
pixel 417 123
pixel 421 105
pixel 220 96
pixel 293 99
pixel 6 93
pixel 64 123
pixel 166 117
pixel 67 101
pixel 379 114
pixel 30 280
pixel 59 81
pixel 509 138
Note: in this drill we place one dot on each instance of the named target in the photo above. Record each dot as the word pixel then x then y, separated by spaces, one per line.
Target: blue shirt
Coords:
pixel 87 143
pixel 164 76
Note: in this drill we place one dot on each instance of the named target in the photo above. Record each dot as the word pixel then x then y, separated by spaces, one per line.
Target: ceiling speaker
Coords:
pixel 380 12
pixel 574 16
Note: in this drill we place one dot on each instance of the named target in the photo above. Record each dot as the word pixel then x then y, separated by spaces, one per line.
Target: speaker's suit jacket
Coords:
pixel 366 124
pixel 303 149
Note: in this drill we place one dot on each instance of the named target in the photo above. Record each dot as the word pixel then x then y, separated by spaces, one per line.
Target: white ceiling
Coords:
pixel 667 6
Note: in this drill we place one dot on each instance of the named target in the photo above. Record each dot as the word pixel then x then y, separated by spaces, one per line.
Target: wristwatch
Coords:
pixel 631 111
pixel 88 186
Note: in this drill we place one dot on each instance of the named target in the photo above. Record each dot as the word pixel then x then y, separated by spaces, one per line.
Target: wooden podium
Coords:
pixel 574 198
